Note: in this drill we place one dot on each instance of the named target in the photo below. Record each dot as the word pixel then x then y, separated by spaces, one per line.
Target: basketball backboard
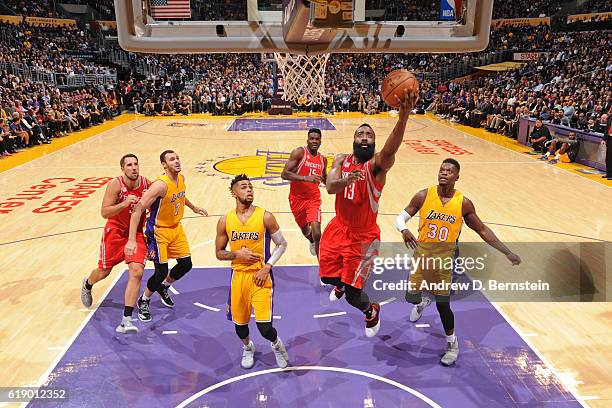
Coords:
pixel 308 27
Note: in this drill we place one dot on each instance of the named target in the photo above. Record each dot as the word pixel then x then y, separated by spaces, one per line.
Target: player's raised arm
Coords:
pixel 290 170
pixel 157 189
pixel 400 222
pixel 334 182
pixel 473 221
pixel 386 157
pixel 110 206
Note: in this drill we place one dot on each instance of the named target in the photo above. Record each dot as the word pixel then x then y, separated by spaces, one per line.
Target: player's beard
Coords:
pixel 131 176
pixel 363 155
pixel 246 201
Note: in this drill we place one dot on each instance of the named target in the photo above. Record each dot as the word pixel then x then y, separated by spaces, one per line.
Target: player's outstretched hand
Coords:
pixel 409 239
pixel 130 247
pixel 200 211
pixel 261 277
pixel 514 258
pixel 409 102
pixel 245 254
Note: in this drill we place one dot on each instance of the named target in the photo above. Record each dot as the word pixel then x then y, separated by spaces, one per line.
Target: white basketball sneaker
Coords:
pixel 126 326
pixel 451 353
pixel 282 358
pixel 417 310
pixel 86 298
pixel 248 356
pixel 335 294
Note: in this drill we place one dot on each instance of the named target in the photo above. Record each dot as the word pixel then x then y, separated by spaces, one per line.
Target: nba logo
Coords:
pixel 448 9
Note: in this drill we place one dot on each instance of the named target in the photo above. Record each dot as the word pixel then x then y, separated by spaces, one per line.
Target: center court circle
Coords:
pixel 336 387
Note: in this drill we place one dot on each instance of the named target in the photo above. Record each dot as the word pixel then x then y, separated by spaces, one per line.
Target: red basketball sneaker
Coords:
pixel 373 323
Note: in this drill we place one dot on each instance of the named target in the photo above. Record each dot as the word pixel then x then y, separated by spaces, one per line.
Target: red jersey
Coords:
pixel 122 220
pixel 309 166
pixel 357 205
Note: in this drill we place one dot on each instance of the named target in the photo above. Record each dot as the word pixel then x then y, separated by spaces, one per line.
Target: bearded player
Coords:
pixel 121 196
pixel 352 238
pixel 306 169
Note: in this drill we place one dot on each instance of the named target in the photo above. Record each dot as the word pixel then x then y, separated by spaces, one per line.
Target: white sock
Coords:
pixel 249 346
pixel 277 343
pixel 557 156
pixel 547 154
pixel 145 297
pixel 166 284
pixel 451 339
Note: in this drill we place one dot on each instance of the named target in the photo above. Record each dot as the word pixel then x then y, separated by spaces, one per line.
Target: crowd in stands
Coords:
pixel 225 84
pixel 570 85
pixel 219 10
pixel 43 46
pixel 32 8
pixel 35 113
pixel 405 10
pixel 106 8
pixel 594 6
pixel 527 8
pixel 401 10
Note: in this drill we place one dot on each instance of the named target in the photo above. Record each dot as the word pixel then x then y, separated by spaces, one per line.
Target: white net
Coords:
pixel 304 77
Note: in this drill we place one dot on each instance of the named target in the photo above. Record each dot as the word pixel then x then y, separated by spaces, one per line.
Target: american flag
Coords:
pixel 170 9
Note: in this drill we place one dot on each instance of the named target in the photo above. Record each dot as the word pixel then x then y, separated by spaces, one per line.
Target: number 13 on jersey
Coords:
pixel 349 192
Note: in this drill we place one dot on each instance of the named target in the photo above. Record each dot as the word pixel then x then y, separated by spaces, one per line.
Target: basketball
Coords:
pixel 395 85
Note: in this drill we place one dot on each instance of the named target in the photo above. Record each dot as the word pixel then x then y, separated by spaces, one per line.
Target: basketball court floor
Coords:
pixel 513 354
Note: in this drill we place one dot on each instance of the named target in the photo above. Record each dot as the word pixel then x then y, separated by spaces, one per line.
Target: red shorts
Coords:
pixel 347 253
pixel 305 211
pixel 111 248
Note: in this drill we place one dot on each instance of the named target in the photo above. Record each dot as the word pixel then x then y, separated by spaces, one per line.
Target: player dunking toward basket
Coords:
pixel 306 169
pixel 351 239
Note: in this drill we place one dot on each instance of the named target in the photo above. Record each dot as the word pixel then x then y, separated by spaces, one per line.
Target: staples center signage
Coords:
pixel 53 195
pixel 530 56
pixel 521 22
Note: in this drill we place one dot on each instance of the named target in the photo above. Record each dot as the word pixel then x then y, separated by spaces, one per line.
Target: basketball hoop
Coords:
pixel 304 77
